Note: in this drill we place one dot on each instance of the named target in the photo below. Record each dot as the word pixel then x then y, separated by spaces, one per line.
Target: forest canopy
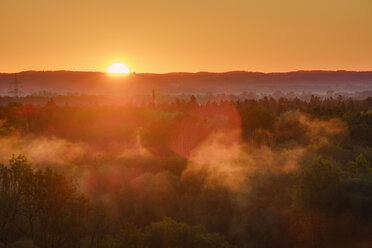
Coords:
pixel 255 173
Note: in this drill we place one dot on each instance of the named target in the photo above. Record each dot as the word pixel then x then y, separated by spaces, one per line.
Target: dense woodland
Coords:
pixel 259 173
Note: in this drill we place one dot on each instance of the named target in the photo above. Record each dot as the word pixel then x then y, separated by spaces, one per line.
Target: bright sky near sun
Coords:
pixel 192 35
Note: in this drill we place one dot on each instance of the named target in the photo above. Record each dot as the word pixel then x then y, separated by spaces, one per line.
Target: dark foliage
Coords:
pixel 109 197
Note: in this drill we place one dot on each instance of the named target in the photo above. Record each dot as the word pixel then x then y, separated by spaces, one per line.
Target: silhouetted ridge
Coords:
pixel 185 82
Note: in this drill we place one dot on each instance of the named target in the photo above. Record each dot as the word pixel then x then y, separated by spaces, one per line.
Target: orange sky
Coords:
pixel 193 35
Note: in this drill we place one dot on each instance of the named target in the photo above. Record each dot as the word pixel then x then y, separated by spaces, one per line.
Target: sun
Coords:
pixel 118 68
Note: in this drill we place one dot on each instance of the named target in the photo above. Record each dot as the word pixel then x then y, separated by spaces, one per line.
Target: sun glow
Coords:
pixel 118 68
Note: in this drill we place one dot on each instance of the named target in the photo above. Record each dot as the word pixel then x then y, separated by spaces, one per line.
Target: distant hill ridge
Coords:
pixel 187 82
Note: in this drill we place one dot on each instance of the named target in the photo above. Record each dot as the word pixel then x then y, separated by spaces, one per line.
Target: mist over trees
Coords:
pixel 265 172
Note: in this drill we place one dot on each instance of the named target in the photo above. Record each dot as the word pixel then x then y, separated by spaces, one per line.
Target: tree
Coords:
pixel 171 234
pixel 314 183
pixel 23 243
pixel 15 182
pixel 41 205
pixel 360 166
pixel 193 103
pixel 313 198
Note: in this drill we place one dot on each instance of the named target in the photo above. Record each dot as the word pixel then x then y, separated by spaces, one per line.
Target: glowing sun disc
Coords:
pixel 118 68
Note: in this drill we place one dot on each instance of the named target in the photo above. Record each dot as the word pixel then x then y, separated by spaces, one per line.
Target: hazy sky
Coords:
pixel 193 35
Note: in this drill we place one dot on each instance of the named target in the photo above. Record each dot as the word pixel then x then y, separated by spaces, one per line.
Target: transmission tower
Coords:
pixel 15 87
pixel 153 97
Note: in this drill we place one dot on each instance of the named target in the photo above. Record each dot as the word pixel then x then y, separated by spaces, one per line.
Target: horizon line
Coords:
pixel 196 72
